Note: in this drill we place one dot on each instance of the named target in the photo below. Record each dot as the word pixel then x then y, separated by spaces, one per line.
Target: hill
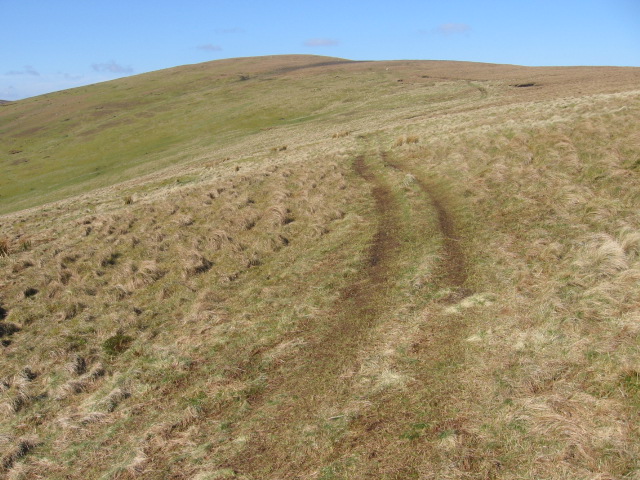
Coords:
pixel 309 267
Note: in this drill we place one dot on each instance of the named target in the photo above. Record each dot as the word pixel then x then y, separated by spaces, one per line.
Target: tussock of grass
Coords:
pixel 194 264
pixel 4 246
pixel 342 134
pixel 117 344
pixel 407 139
pixel 19 449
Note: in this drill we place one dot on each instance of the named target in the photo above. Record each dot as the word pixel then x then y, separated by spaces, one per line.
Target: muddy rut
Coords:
pixel 312 380
pixel 453 268
pixel 335 344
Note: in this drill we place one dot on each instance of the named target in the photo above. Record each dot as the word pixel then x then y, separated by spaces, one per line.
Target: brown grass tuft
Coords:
pixel 194 264
pixel 218 238
pixel 81 384
pixel 114 398
pixel 21 448
pixel 7 328
pixel 280 214
pixel 408 139
pixel 4 246
pixel 184 220
pixel 77 366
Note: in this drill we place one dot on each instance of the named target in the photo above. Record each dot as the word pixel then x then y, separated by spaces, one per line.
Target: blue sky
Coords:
pixel 48 45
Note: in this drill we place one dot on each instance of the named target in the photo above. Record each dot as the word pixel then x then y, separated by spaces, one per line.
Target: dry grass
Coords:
pixel 4 246
pixel 342 134
pixel 19 449
pixel 464 307
pixel 406 140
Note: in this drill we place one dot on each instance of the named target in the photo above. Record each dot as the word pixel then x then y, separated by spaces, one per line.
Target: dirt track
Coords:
pixel 311 383
pixel 332 347
pixel 453 268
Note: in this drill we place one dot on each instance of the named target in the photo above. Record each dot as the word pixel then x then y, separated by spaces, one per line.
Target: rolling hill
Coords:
pixel 310 267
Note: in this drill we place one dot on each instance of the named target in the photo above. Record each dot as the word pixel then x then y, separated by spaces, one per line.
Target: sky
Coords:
pixel 49 45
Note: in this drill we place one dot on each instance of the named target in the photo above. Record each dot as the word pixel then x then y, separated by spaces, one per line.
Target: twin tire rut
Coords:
pixel 332 350
pixel 453 266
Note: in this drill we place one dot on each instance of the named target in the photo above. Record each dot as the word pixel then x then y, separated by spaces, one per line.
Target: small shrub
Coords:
pixel 116 344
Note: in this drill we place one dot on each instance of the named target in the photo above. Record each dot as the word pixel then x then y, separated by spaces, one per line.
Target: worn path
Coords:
pixel 315 379
pixel 453 268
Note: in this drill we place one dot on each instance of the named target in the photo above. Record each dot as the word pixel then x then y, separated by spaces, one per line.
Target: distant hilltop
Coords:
pixel 4 101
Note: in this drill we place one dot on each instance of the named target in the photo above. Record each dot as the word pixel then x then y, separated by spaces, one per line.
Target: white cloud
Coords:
pixel 9 93
pixel 68 76
pixel 208 47
pixel 27 70
pixel 224 31
pixel 320 42
pixel 30 86
pixel 453 28
pixel 111 67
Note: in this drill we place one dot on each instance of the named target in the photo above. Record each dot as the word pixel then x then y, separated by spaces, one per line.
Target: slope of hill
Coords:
pixel 306 267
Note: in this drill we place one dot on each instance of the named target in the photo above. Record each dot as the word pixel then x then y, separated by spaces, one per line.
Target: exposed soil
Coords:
pixel 333 347
pixel 311 383
pixel 364 300
pixel 454 265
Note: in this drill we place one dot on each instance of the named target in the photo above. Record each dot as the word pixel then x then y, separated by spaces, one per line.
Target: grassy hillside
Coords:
pixel 305 267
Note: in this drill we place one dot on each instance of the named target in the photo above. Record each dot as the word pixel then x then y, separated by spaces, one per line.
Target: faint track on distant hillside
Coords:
pixel 331 63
